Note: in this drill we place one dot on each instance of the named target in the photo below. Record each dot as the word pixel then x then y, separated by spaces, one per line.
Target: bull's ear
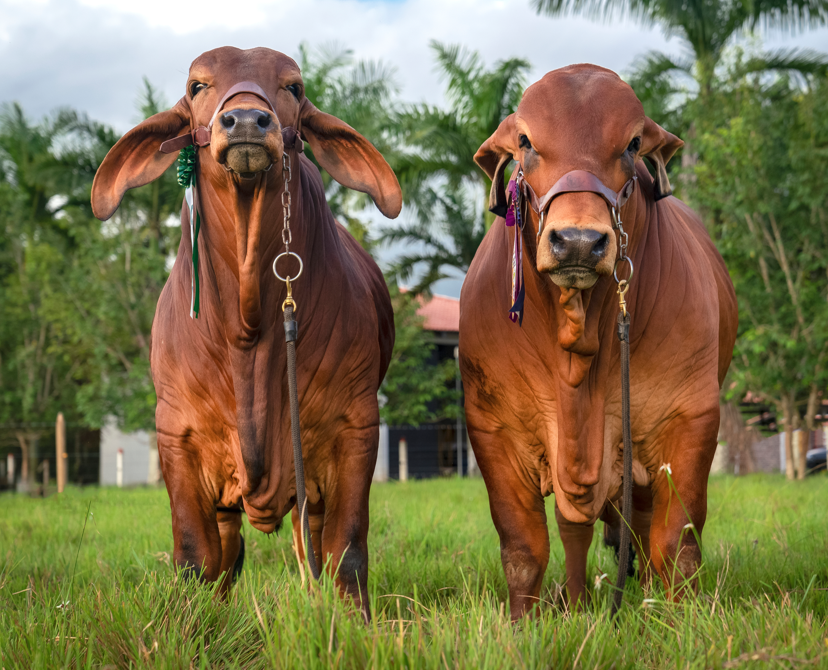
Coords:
pixel 135 159
pixel 350 159
pixel 493 157
pixel 658 147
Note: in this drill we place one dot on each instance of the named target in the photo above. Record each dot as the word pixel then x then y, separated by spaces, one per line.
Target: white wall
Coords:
pixel 381 469
pixel 140 455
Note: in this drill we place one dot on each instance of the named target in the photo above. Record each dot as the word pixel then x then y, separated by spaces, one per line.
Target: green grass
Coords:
pixel 109 597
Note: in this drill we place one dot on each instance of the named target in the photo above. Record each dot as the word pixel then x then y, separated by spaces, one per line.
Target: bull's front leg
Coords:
pixel 576 538
pixel 680 502
pixel 196 538
pixel 345 531
pixel 207 542
pixel 519 516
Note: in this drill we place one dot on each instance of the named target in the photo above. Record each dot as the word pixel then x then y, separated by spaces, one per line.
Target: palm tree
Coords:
pixel 361 93
pixel 704 28
pixel 440 142
pixel 440 180
pixel 447 238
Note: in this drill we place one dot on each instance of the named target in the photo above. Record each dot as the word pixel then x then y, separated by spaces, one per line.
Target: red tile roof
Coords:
pixel 441 313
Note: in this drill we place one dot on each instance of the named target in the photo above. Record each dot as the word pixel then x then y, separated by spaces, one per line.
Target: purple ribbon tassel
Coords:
pixel 512 218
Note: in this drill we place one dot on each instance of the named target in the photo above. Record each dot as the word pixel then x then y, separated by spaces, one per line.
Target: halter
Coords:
pixel 202 135
pixel 575 181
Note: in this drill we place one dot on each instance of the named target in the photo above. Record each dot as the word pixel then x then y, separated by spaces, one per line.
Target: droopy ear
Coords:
pixel 350 159
pixel 135 159
pixel 493 156
pixel 658 147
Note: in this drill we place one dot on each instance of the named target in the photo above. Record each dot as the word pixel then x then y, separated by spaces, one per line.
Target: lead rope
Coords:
pixel 624 338
pixel 291 333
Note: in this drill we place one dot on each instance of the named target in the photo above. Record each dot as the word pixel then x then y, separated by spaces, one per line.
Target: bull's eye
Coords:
pixel 524 142
pixel 295 89
pixel 195 87
pixel 635 145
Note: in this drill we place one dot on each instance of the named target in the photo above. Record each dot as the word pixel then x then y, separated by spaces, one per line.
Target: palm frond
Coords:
pixel 788 15
pixel 644 12
pixel 805 62
pixel 460 67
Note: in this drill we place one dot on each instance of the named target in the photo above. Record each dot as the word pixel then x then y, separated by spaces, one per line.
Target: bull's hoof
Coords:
pixel 239 564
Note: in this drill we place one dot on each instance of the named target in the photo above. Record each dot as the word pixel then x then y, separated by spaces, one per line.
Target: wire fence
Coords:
pixel 28 456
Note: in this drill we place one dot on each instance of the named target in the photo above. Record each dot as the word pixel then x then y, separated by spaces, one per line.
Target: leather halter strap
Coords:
pixel 578 181
pixel 202 135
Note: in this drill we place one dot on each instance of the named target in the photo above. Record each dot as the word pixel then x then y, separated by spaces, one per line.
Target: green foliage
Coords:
pixel 360 93
pixel 435 586
pixel 705 29
pixel 44 169
pixel 77 295
pixel 417 389
pixel 441 143
pixel 760 185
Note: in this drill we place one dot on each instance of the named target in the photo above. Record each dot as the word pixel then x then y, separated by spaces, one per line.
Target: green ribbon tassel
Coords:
pixel 187 179
pixel 195 265
pixel 186 166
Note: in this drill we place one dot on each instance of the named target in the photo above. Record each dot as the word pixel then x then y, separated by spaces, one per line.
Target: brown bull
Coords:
pixel 223 416
pixel 543 399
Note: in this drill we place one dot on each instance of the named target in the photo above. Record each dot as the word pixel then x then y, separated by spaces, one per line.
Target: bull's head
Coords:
pixel 580 118
pixel 244 132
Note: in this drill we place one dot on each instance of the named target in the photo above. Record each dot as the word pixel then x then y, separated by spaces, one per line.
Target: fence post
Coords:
pixel 10 468
pixel 45 467
pixel 119 468
pixel 60 452
pixel 403 459
pixel 381 468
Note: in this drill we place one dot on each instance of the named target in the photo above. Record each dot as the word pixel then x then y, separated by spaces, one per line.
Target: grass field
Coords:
pixel 109 597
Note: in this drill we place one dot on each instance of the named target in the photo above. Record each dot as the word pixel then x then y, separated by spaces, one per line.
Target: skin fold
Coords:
pixel 543 401
pixel 223 415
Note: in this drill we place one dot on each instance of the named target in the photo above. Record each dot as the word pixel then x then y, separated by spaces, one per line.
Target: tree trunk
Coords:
pixel 787 414
pixel 28 456
pixel 24 455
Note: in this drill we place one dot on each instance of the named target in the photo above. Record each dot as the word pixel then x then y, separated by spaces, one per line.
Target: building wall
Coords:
pixel 140 455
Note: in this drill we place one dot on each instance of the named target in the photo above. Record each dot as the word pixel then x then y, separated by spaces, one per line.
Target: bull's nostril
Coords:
pixel 263 121
pixel 600 247
pixel 558 244
pixel 228 121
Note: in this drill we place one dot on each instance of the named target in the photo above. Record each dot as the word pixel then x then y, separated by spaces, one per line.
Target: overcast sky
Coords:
pixel 92 54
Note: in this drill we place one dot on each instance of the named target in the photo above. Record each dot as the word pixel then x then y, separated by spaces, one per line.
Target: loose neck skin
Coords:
pixel 241 235
pixel 576 328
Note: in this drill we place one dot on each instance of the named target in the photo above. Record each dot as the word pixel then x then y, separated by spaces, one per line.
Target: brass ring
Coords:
pixel 276 272
pixel 615 269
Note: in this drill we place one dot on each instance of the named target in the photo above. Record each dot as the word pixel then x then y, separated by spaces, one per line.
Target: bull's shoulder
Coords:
pixel 486 286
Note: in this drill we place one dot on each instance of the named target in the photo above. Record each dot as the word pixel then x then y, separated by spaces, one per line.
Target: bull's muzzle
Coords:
pixel 576 254
pixel 247 132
